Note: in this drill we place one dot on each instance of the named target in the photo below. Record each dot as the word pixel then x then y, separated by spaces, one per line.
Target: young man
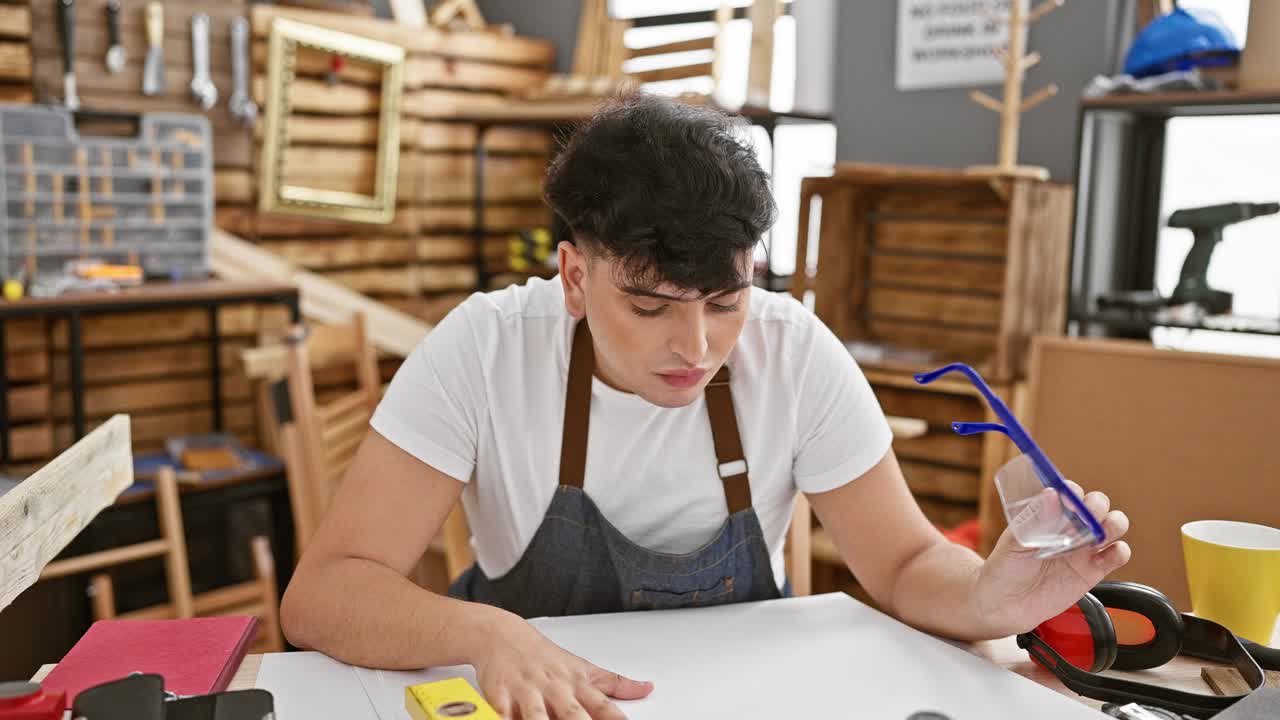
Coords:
pixel 653 342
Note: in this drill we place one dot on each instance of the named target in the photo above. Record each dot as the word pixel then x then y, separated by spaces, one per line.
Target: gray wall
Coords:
pixel 877 123
pixel 555 20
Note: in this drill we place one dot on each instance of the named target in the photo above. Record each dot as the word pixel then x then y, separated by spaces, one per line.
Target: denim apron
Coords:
pixel 579 563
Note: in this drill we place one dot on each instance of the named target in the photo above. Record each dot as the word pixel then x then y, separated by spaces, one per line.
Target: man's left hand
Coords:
pixel 1016 591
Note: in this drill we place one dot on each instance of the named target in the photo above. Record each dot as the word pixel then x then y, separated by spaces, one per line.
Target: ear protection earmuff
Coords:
pixel 1127 626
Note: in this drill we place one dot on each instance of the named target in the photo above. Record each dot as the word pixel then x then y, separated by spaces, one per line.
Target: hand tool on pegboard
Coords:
pixel 115 50
pixel 202 87
pixel 67 26
pixel 241 104
pixel 153 69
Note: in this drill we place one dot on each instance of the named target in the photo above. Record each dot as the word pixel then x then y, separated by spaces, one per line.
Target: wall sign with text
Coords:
pixel 950 43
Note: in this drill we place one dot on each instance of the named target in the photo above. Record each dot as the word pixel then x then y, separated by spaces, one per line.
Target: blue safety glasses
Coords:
pixel 1042 511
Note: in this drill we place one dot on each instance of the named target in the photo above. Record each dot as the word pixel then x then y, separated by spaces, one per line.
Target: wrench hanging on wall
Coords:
pixel 153 70
pixel 67 25
pixel 202 87
pixel 242 106
pixel 115 52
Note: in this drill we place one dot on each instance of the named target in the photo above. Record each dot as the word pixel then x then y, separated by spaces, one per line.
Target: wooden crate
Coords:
pixel 935 265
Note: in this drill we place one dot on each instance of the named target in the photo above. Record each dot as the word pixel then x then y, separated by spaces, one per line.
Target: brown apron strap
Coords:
pixel 724 433
pixel 732 463
pixel 577 408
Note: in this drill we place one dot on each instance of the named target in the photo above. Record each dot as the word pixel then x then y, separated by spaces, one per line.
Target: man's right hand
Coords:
pixel 523 674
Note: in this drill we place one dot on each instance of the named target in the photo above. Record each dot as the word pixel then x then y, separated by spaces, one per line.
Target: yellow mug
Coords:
pixel 1233 571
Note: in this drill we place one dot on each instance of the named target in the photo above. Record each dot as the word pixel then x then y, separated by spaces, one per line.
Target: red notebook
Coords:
pixel 195 656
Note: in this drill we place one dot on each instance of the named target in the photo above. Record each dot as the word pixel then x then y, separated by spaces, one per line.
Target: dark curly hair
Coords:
pixel 665 189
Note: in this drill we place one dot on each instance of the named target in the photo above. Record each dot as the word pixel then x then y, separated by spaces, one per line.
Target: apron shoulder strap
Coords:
pixel 577 408
pixel 732 461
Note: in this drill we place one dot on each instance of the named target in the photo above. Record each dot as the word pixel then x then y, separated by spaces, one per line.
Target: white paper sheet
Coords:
pixel 823 656
pixel 311 686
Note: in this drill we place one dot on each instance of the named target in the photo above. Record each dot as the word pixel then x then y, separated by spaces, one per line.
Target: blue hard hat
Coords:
pixel 1181 40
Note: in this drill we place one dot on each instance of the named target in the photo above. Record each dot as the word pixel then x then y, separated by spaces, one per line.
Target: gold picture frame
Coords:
pixel 276 195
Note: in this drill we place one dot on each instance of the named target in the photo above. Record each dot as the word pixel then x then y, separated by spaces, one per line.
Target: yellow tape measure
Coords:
pixel 446 699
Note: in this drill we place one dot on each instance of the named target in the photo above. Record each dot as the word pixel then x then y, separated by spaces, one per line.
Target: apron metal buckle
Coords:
pixel 730 469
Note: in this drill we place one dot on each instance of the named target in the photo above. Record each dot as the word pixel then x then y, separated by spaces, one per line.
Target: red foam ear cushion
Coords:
pixel 1082 635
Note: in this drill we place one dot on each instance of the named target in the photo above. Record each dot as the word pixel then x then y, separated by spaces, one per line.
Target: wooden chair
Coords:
pixel 318 439
pixel 257 597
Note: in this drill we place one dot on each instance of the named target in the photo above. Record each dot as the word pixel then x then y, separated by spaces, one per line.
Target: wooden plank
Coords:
pixel 1036 273
pixel 407 280
pixel 325 253
pixel 25 335
pixel 836 227
pixel 316 96
pixel 27 366
pixel 431 309
pixel 362 131
pixel 702 43
pixel 150 395
pixel 17 93
pixel 936 408
pixel 495 218
pixel 160 326
pixel 310 163
pixel 941 446
pixel 472 45
pixel 28 402
pixel 438 278
pixel 41 516
pixel 975 346
pixel 941 482
pixel 31 442
pixel 1228 681
pixel 320 299
pixel 234 185
pixel 978 239
pixel 936 307
pixel 15 21
pixel 426 71
pixel 395 281
pixel 915 271
pixel 152 361
pixel 462 136
pixel 286 225
pixel 677 72
pixel 949 201
pixel 420 71
pixel 445 248
pixel 156 426
pixel 15 61
pixel 435 103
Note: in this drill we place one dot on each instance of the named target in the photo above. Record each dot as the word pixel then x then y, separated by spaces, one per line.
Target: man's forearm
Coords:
pixel 937 592
pixel 366 614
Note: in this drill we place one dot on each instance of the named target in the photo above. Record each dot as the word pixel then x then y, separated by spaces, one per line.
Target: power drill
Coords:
pixel 1207 224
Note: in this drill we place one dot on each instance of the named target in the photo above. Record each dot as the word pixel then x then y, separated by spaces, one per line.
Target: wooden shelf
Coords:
pixel 1216 102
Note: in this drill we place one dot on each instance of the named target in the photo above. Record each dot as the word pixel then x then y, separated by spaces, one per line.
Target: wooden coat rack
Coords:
pixel 1016 62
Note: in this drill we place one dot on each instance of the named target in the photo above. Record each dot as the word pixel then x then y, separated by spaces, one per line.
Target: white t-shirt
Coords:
pixel 484 393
